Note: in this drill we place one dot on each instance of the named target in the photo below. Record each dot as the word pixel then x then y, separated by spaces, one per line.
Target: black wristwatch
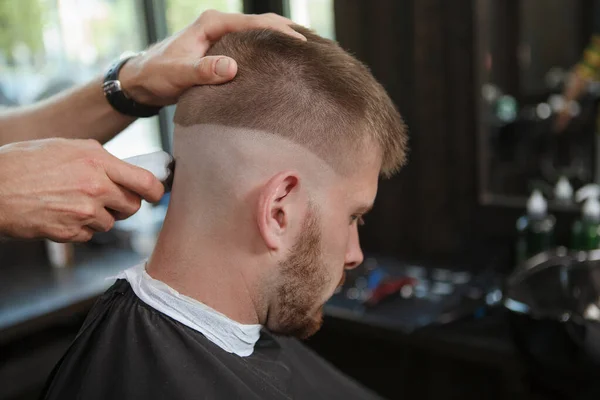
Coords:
pixel 117 98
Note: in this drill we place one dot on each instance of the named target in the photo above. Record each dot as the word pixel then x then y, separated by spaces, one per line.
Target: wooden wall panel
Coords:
pixel 422 52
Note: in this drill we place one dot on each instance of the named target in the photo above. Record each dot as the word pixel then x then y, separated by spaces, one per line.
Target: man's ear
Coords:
pixel 278 198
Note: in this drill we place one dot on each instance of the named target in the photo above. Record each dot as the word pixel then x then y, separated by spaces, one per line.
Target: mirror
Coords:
pixel 537 73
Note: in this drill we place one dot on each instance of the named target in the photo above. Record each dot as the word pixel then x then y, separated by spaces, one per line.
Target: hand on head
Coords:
pixel 167 69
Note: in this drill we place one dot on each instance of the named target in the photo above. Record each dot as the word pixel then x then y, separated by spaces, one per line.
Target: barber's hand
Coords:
pixel 66 190
pixel 161 74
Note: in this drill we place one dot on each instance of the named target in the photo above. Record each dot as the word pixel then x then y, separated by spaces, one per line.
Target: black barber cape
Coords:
pixel 128 350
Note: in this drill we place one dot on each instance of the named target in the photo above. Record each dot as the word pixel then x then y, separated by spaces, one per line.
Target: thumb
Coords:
pixel 212 70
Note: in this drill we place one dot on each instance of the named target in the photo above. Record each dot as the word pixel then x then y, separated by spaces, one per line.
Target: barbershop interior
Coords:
pixel 478 271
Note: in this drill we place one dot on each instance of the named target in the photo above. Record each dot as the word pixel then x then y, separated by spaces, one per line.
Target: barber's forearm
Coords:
pixel 78 113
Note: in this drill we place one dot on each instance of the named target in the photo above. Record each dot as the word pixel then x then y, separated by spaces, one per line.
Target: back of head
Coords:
pixel 274 172
pixel 312 93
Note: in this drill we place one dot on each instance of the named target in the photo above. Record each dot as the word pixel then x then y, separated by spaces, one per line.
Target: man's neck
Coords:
pixel 203 267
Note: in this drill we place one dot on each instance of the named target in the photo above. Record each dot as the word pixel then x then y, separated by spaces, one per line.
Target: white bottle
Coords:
pixel 60 255
pixel 591 209
pixel 535 229
pixel 585 233
pixel 563 191
pixel 537 206
pixel 587 192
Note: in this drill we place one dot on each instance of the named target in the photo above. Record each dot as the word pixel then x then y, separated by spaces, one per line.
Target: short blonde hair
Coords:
pixel 313 93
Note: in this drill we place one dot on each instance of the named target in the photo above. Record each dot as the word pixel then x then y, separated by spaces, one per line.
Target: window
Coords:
pixel 50 45
pixel 315 14
pixel 181 13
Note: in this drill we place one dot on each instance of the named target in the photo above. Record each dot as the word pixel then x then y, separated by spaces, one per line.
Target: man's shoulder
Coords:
pixel 122 326
pixel 314 374
pixel 127 349
pixel 120 314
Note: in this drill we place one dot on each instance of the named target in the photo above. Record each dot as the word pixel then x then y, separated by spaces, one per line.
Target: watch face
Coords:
pixel 111 87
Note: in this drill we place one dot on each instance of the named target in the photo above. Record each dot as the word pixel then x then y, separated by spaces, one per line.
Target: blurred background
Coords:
pixel 481 275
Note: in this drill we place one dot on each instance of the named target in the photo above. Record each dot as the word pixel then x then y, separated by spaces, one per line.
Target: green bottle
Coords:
pixel 535 230
pixel 585 233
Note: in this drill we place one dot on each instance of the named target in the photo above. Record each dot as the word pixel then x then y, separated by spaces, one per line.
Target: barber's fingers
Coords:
pixel 281 20
pixel 103 221
pixel 215 24
pixel 85 234
pixel 135 179
pixel 275 22
pixel 122 203
pixel 212 70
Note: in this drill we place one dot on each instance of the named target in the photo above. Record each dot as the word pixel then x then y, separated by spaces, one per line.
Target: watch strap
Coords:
pixel 114 94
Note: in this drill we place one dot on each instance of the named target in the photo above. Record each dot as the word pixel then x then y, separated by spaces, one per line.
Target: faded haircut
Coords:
pixel 313 93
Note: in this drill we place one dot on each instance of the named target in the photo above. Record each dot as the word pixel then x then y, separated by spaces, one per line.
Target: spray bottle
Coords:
pixel 585 233
pixel 563 191
pixel 535 229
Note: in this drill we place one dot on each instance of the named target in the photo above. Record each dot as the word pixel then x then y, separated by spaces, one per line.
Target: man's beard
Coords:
pixel 304 279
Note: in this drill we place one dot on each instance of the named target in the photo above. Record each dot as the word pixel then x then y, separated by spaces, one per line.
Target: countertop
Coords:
pixel 32 295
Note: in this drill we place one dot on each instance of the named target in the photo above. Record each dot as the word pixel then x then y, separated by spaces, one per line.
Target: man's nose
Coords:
pixel 354 254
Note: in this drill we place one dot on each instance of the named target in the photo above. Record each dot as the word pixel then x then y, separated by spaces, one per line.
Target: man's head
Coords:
pixel 278 166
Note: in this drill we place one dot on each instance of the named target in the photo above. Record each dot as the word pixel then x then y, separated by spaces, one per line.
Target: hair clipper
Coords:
pixel 160 163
